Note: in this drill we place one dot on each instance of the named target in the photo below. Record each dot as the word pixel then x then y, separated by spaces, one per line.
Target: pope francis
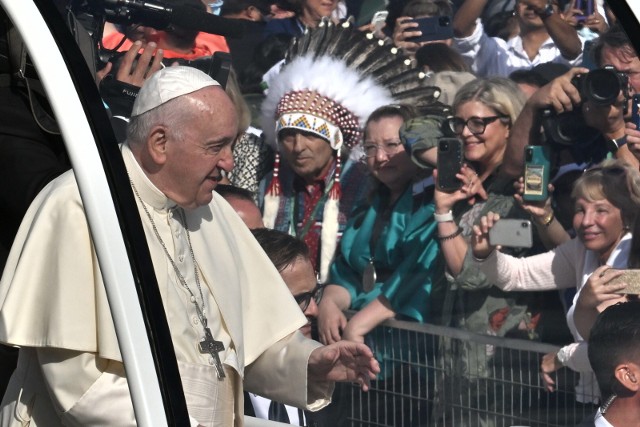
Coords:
pixel 232 319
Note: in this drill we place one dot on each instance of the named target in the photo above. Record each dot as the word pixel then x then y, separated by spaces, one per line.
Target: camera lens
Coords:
pixel 524 224
pixel 444 21
pixel 444 146
pixel 528 155
pixel 602 86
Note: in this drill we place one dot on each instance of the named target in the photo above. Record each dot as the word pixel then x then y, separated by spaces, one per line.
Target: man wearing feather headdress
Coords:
pixel 334 77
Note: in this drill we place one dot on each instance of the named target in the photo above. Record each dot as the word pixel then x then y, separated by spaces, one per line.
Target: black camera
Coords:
pixel 566 128
pixel 602 87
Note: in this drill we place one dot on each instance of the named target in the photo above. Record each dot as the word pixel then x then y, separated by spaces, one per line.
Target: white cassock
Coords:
pixel 54 306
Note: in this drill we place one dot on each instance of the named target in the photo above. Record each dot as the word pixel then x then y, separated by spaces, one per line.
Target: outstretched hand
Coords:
pixel 343 361
pixel 331 322
pixel 548 366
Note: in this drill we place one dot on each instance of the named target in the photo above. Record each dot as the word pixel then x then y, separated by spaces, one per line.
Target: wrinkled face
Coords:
pixel 316 9
pixel 308 155
pixel 196 155
pixel 486 148
pixel 599 225
pixel 300 278
pixel 387 159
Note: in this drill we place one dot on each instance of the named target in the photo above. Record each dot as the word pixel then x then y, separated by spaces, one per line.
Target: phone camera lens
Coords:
pixel 445 21
pixel 524 224
pixel 444 146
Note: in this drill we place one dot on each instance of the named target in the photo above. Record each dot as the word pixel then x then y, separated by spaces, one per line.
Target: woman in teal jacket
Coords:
pixel 387 267
pixel 388 256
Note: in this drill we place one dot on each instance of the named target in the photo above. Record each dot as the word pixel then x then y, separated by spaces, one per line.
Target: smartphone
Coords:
pixel 586 6
pixel 630 277
pixel 635 110
pixel 511 232
pixel 449 163
pixel 536 173
pixel 433 28
pixel 378 20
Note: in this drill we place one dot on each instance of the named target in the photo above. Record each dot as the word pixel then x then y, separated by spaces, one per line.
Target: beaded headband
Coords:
pixel 311 112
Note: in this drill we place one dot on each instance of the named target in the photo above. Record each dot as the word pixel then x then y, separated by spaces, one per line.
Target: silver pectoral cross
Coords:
pixel 209 345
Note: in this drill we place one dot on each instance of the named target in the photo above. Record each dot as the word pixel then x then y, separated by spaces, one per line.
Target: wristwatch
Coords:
pixel 614 144
pixel 547 11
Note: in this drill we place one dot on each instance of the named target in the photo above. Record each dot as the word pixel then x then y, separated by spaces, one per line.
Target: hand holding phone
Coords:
pixel 586 8
pixel 511 232
pixel 536 173
pixel 630 277
pixel 432 29
pixel 379 20
pixel 449 163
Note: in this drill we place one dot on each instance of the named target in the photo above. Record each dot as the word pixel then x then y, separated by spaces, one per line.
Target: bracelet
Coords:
pixel 445 217
pixel 451 236
pixel 548 219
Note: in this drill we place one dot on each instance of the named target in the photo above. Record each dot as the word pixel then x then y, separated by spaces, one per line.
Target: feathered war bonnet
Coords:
pixel 333 78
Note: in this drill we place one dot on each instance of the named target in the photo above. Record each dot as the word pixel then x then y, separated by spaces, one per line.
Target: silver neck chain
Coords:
pixel 199 309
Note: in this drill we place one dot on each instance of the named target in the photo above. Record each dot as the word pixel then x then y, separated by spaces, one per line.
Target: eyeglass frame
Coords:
pixel 381 147
pixel 305 297
pixel 486 121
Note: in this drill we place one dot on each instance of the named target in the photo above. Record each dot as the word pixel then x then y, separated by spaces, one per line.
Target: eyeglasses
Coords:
pixel 389 148
pixel 304 299
pixel 476 125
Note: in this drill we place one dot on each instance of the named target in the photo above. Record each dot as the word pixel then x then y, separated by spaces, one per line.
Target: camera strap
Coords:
pixel 17 77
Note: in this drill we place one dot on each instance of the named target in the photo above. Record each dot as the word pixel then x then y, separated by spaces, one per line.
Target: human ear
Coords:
pixel 628 375
pixel 157 144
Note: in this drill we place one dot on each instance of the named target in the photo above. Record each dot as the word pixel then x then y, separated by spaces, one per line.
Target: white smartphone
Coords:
pixel 378 20
pixel 511 232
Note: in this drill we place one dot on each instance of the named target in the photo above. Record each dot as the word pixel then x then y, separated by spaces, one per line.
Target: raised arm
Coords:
pixel 560 95
pixel 561 32
pixel 464 21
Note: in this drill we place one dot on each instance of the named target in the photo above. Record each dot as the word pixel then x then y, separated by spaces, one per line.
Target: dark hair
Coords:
pixel 525 76
pixel 405 112
pixel 440 57
pixel 418 8
pixel 226 191
pixel 281 248
pixel 615 37
pixel 614 339
pixel 232 7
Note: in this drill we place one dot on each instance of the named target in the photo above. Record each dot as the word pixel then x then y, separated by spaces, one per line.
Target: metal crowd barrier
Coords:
pixel 439 376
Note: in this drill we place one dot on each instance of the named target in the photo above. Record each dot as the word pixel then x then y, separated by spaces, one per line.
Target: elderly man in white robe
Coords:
pixel 215 282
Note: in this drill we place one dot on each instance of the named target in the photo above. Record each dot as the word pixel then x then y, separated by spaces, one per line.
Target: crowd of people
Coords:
pixel 323 148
